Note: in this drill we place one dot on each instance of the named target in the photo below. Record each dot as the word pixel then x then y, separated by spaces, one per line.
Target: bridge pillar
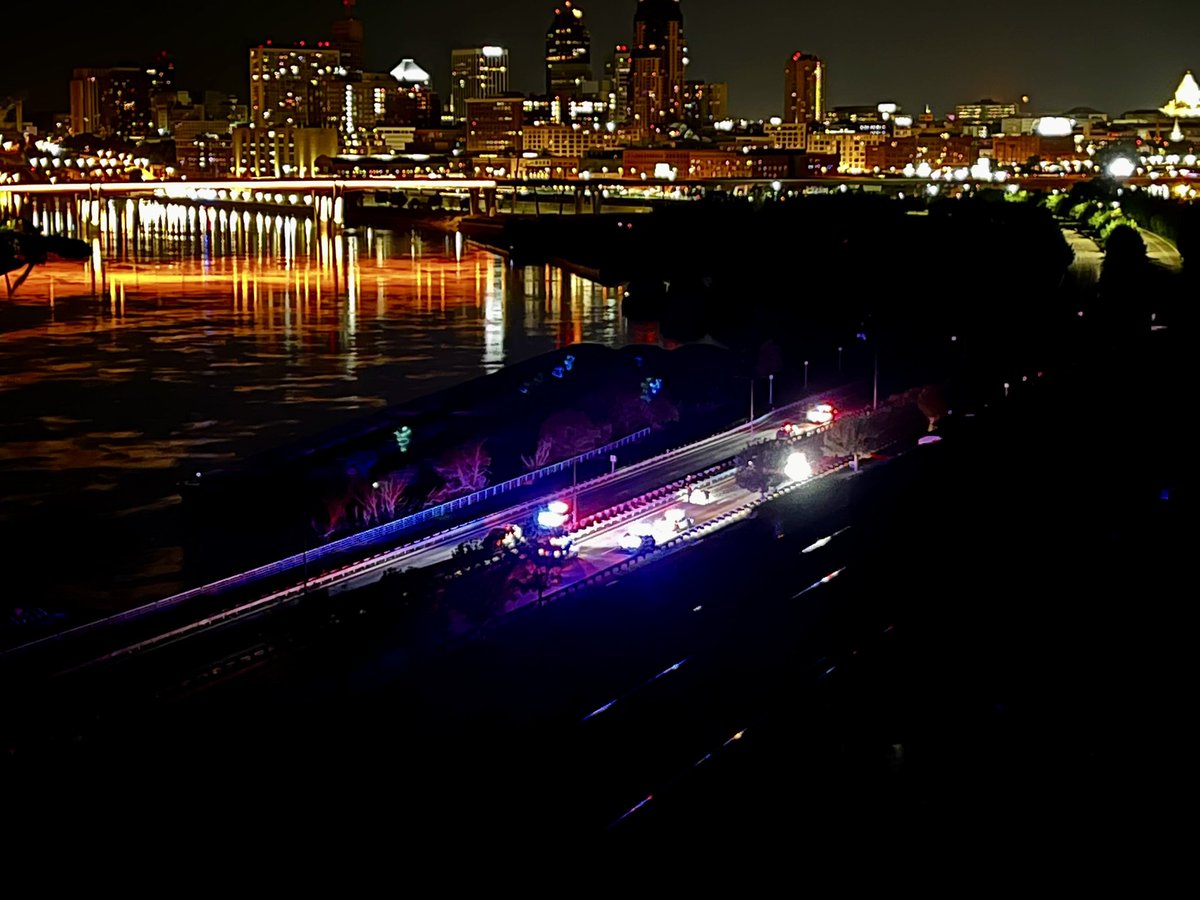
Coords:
pixel 597 201
pixel 473 201
pixel 578 201
pixel 489 197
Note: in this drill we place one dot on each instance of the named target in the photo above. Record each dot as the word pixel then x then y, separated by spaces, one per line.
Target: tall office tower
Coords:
pixel 475 74
pixel 617 73
pixel 300 86
pixel 568 55
pixel 162 74
pixel 348 36
pixel 414 102
pixel 112 102
pixel 804 89
pixel 659 66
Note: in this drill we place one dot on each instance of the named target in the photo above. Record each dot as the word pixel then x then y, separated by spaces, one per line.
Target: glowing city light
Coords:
pixel 1121 167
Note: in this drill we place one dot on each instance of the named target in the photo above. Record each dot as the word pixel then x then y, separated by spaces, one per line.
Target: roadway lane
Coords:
pixel 1161 251
pixel 1089 258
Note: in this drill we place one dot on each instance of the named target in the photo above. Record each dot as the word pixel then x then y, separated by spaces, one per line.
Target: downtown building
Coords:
pixel 413 103
pixel 568 57
pixel 281 151
pixel 804 90
pixel 113 102
pixel 496 125
pixel 618 72
pixel 476 73
pixel 658 73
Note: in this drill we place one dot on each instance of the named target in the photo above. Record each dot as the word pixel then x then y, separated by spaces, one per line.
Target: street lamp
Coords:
pixel 875 396
pixel 806 374
pixel 771 391
pixel 840 360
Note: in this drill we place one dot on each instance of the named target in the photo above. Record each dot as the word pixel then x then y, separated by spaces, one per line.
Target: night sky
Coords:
pixel 1110 54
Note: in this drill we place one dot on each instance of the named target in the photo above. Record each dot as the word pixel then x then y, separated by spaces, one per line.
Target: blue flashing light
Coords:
pixel 569 363
pixel 558 372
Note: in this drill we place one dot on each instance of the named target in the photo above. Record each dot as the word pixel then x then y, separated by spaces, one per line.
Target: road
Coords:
pixel 1089 258
pixel 125 636
pixel 1161 251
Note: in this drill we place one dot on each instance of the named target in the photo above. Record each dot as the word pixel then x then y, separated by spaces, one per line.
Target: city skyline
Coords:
pixel 1060 64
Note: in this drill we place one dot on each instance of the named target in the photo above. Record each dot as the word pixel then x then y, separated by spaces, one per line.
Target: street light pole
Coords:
pixel 751 404
pixel 875 398
pixel 806 374
pixel 840 360
pixel 771 391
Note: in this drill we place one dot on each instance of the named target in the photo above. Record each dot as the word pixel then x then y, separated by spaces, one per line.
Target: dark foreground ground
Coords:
pixel 1000 667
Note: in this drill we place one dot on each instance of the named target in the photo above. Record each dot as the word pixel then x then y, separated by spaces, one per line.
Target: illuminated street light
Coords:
pixel 1121 167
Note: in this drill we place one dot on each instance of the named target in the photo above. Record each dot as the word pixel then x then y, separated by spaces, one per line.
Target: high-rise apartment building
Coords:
pixel 303 87
pixel 112 102
pixel 476 73
pixel 568 54
pixel 804 90
pixel 659 66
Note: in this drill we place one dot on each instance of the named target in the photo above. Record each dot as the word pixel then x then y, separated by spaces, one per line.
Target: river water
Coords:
pixel 200 337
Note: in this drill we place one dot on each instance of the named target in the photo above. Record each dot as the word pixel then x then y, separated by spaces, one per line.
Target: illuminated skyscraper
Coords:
pixel 659 69
pixel 299 86
pixel 804 90
pixel 568 54
pixel 112 102
pixel 475 74
pixel 413 102
pixel 617 74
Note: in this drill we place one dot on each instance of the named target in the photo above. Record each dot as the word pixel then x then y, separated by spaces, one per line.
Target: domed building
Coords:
pixel 1186 102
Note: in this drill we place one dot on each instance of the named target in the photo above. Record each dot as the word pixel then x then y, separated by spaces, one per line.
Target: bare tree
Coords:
pixel 571 433
pixel 464 471
pixel 541 456
pixel 366 501
pixel 335 512
pixel 850 437
pixel 391 492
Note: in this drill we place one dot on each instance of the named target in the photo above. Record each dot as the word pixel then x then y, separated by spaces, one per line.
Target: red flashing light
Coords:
pixel 796 56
